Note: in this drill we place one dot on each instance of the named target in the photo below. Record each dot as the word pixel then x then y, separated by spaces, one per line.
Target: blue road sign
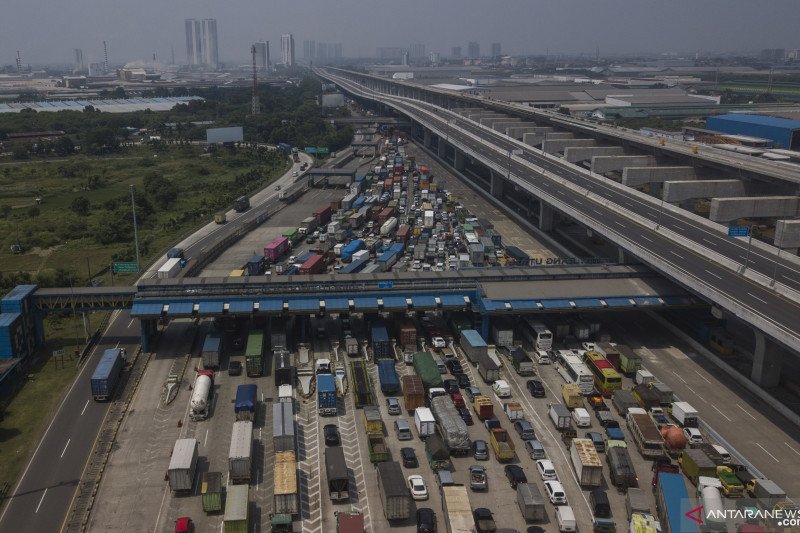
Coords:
pixel 738 231
pixel 385 284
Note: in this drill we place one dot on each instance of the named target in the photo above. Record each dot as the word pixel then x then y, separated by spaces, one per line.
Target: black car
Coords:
pixel 426 520
pixel 482 515
pixel 409 457
pixel 536 388
pixel 515 475
pixel 454 366
pixel 465 415
pixel 331 435
pixel 235 368
pixel 463 380
pixel 451 386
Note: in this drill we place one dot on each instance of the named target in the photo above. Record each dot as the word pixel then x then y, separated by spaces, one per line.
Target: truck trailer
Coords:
pixel 326 395
pixel 413 392
pixel 182 465
pixel 201 395
pixel 240 453
pixel 586 463
pixel 457 509
pixel 212 347
pixel 245 403
pixel 393 491
pixel 285 487
pixel 106 374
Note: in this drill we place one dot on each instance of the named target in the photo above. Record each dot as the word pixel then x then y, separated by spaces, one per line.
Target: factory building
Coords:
pixel 784 133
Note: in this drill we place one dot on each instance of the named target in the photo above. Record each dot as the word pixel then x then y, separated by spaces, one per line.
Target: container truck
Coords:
pixel 182 465
pixel 361 383
pixel 337 476
pixel 636 501
pixel 245 404
pixel 561 416
pixel 349 522
pixel 502 333
pixel 645 434
pixel 457 509
pixel 531 502
pixel 211 491
pixel 620 466
pixel 106 374
pixel 521 362
pixel 488 369
pixel 393 491
pixel 685 415
pixel 629 362
pixel 351 248
pixel 275 249
pixel 502 445
pixel 201 395
pixel 438 454
pixel 237 503
pixel 695 463
pixel 610 352
pixel 379 336
pixel 513 410
pixel 378 451
pixel 473 345
pixel 240 453
pixel 283 434
pixel 326 395
pixel 425 422
pixel 586 463
pixel 671 498
pixel 413 392
pixel 571 393
pixel 624 400
pixel 372 419
pixel 767 493
pixel 285 485
pixel 731 487
pixel 428 218
pixel 388 227
pixel 308 225
pixel 426 368
pixel 450 425
pixel 484 408
pixel 212 345
pixel 284 368
pixel 254 353
pixel 313 265
pixel 170 268
pixel 322 214
pixel 387 375
pixel 407 334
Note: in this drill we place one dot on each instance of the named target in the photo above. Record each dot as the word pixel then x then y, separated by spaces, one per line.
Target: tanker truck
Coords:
pixel 201 395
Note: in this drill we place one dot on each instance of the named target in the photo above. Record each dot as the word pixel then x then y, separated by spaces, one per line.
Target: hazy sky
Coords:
pixel 47 31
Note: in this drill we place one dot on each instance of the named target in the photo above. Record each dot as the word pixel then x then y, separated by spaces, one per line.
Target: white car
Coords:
pixel 555 492
pixel 417 487
pixel 693 436
pixel 546 469
pixel 438 342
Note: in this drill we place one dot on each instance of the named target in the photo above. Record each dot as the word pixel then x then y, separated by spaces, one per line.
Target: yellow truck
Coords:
pixel 571 393
pixel 502 445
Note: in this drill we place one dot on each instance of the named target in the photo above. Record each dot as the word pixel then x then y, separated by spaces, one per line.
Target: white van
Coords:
pixel 726 457
pixel 501 389
pixel 581 417
pixel 566 518
pixel 542 357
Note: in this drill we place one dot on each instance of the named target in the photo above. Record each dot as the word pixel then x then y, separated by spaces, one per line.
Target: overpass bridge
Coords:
pixel 486 292
pixel 751 281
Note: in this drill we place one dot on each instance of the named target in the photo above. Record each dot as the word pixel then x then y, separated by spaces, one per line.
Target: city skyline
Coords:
pixel 133 32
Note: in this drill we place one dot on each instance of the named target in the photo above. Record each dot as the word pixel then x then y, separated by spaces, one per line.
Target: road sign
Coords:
pixel 125 268
pixel 738 231
pixel 310 150
pixel 58 353
pixel 385 284
pixel 322 150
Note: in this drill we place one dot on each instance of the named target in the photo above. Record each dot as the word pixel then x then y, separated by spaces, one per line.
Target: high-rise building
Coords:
pixel 80 65
pixel 337 50
pixel 473 50
pixel 416 51
pixel 309 50
pixel 210 47
pixel 435 58
pixel 261 55
pixel 773 54
pixel 201 43
pixel 496 50
pixel 388 52
pixel 455 52
pixel 287 49
pixel 405 61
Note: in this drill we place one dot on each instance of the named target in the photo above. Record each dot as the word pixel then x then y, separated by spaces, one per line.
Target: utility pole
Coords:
pixel 255 106
pixel 135 230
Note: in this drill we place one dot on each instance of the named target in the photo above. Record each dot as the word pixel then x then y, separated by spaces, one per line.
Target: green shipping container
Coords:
pixel 291 234
pixel 426 369
pixel 253 356
pixel 629 362
pixel 237 502
pixel 211 490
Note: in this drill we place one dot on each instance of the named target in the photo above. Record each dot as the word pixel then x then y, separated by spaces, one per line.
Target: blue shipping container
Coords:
pixel 387 374
pixel 211 343
pixel 351 248
pixel 255 266
pixel 245 404
pixel 473 338
pixel 326 395
pixel 673 503
pixel 292 271
pixel 106 374
pixel 381 348
pixel 354 267
pixel 359 202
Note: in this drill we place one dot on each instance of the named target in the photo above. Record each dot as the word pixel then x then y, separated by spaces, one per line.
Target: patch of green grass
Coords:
pixel 29 412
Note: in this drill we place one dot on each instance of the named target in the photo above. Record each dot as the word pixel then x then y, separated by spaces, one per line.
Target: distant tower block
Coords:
pixel 255 106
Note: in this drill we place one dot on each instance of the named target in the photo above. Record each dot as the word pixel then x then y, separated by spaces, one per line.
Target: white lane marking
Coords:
pixel 723 414
pixel 40 501
pixel 746 411
pixel 677 255
pixel 795 451
pixel 65 449
pixel 84 407
pixel 757 298
pixel 679 376
pixel 117 346
pixel 620 224
pixel 130 323
pixel 765 451
pixel 702 377
pixel 716 276
pixel 709 242
pixel 205 440
pixel 645 238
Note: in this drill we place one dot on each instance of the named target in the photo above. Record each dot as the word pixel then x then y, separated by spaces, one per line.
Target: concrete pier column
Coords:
pixel 458 162
pixel 496 186
pixel 427 139
pixel 767 362
pixel 440 148
pixel 485 326
pixel 545 216
pixel 147 328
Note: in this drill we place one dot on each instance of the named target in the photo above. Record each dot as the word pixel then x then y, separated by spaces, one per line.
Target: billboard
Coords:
pixel 224 135
pixel 332 100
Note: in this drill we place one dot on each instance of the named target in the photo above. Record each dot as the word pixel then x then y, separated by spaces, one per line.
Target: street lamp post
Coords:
pixel 135 230
pixel 660 212
pixel 775 272
pixel 749 242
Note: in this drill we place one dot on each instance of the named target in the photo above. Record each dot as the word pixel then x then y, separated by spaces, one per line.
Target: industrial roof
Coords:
pixel 108 106
pixel 452 87
pixel 762 120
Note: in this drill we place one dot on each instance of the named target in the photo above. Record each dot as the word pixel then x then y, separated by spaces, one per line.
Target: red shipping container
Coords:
pixel 313 265
pixel 403 232
pixel 407 333
pixel 385 215
pixel 387 183
pixel 322 214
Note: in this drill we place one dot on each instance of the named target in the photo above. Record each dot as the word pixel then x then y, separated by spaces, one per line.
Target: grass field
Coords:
pixel 32 408
pixel 54 235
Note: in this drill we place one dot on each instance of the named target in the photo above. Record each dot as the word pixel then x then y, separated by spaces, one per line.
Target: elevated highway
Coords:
pixel 751 281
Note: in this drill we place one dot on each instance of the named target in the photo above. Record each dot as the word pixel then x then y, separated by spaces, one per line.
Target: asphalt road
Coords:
pixel 43 495
pixel 674 258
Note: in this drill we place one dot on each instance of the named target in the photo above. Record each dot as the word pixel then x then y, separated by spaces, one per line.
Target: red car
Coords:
pixel 458 400
pixel 184 524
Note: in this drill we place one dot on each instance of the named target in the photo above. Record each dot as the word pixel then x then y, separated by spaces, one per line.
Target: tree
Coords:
pixel 33 211
pixel 20 152
pixel 63 146
pixel 81 206
pixel 119 92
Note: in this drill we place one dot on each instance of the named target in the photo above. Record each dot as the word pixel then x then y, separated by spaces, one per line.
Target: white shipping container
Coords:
pixel 241 451
pixel 338 249
pixel 170 269
pixel 361 254
pixel 182 465
pixel 425 422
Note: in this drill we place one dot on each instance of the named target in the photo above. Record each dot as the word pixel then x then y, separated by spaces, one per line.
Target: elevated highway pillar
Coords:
pixel 148 328
pixel 767 362
pixel 517 132
pixel 427 138
pixel 440 148
pixel 679 191
pixel 496 185
pixel 603 164
pixel 638 176
pixel 787 235
pixel 554 146
pixel 484 326
pixel 727 209
pixel 576 154
pixel 537 138
pixel 458 161
pixel 545 216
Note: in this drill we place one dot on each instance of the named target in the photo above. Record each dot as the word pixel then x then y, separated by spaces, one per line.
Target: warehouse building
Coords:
pixel 784 133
